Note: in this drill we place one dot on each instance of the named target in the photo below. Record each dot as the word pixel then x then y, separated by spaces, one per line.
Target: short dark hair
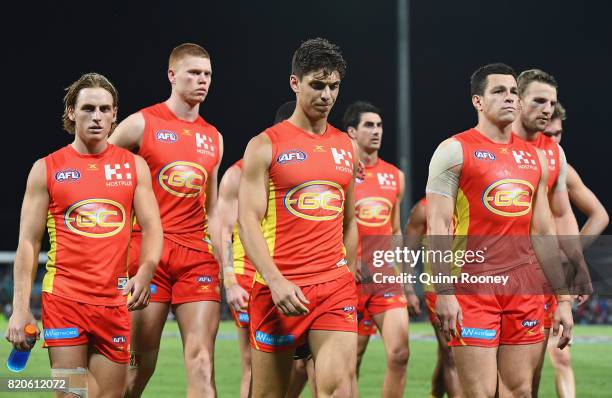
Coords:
pixel 316 54
pixel 478 81
pixel 88 80
pixel 284 111
pixel 352 115
pixel 534 75
pixel 559 112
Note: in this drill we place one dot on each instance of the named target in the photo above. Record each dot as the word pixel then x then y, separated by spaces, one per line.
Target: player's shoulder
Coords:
pixel 383 164
pixel 468 135
pixel 117 151
pixel 156 110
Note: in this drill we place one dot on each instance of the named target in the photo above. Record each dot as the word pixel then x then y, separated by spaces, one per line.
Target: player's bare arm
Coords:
pixel 442 184
pixel 147 213
pixel 227 210
pixel 211 197
pixel 350 234
pixel 32 229
pixel 415 229
pixel 588 204
pixel 547 252
pixel 252 206
pixel 128 134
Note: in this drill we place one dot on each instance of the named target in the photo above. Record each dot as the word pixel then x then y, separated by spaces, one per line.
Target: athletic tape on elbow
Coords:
pixel 442 180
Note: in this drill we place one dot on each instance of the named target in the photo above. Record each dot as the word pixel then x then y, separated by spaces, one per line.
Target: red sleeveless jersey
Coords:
pixel 90 209
pixel 181 156
pixel 242 264
pixel 495 198
pixel 303 225
pixel 551 149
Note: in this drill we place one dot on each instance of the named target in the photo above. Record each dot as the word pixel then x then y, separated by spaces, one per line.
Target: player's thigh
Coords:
pixel 198 323
pixel 270 373
pixel 243 344
pixel 334 353
pixel 517 363
pixel 147 326
pixel 68 357
pixel 362 344
pixel 105 377
pixel 477 369
pixel 393 325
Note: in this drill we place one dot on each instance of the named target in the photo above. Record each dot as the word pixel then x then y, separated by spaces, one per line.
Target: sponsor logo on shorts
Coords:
pixel 183 179
pixel 484 155
pixel 205 279
pixel 388 294
pixel 373 211
pixel 119 339
pixel 291 156
pixel 367 323
pixel 166 136
pixel 95 218
pixel 243 317
pixel 348 309
pixel 122 282
pixel 274 340
pixel 316 200
pixel 508 197
pixel 68 175
pixel 153 288
pixel 63 333
pixel 529 323
pixel 475 333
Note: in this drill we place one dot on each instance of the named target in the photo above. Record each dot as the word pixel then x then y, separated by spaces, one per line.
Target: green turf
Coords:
pixel 592 364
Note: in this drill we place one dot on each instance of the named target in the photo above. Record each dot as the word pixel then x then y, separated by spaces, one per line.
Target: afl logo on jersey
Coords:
pixel 68 175
pixel 508 197
pixel 166 136
pixel 484 155
pixel 373 212
pixel 95 218
pixel 291 156
pixel 316 200
pixel 183 179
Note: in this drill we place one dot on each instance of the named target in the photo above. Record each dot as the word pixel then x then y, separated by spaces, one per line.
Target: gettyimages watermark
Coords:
pixel 502 265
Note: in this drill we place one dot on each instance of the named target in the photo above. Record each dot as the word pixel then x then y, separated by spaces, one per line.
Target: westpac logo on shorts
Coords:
pixel 119 339
pixel 291 156
pixel 373 211
pixel 95 218
pixel 485 334
pixel 166 136
pixel 508 197
pixel 484 155
pixel 183 179
pixel 63 333
pixel 68 175
pixel 153 288
pixel 316 200
pixel 275 340
pixel 243 317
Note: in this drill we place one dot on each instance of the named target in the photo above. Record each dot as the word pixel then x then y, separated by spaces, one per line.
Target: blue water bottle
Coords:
pixel 17 358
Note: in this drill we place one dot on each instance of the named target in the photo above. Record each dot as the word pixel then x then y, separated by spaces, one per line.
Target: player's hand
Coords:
pixel 15 332
pixel 449 313
pixel 563 316
pixel 140 289
pixel 358 276
pixel 237 297
pixel 288 297
pixel 581 298
pixel 414 305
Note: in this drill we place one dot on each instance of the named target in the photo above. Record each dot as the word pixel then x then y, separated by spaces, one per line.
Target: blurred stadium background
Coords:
pixel 251 44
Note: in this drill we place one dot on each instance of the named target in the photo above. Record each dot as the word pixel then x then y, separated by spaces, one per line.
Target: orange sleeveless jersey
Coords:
pixel 181 156
pixel 495 198
pixel 90 209
pixel 242 264
pixel 551 149
pixel 303 225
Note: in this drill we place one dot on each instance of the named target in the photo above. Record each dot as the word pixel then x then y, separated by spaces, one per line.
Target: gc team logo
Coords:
pixel 373 212
pixel 183 179
pixel 95 218
pixel 316 200
pixel 68 175
pixel 508 197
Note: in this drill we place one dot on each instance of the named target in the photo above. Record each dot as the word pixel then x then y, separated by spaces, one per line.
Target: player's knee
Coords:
pixel 200 363
pixel 76 380
pixel 398 356
pixel 522 390
pixel 299 366
pixel 561 361
pixel 447 357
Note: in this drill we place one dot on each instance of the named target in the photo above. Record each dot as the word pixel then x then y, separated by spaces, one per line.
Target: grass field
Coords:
pixel 591 353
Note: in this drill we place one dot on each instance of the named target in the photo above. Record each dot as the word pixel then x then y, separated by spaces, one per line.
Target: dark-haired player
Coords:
pixel 183 152
pixel 86 193
pixel 296 218
pixel 495 184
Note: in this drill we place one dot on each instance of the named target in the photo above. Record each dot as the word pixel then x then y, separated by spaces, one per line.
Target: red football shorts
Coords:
pixel 493 320
pixel 365 323
pixel 70 323
pixel 374 304
pixel 241 318
pixel 183 275
pixel 332 307
pixel 430 303
pixel 549 307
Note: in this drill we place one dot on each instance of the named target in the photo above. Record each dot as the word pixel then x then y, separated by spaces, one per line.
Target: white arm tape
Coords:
pixel 442 180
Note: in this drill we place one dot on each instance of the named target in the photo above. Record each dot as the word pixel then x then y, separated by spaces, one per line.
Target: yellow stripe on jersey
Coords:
pixel 462 214
pixel 47 285
pixel 268 226
pixel 238 252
